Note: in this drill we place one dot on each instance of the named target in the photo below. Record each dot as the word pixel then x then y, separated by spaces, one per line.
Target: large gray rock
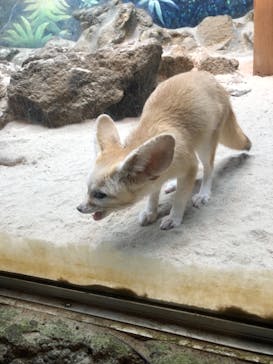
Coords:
pixel 73 86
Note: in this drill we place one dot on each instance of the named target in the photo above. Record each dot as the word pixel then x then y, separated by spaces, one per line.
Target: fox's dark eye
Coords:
pixel 99 195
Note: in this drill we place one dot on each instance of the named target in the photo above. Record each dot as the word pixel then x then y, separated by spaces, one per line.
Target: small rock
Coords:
pixel 189 43
pixel 3 86
pixel 173 62
pixel 60 43
pixel 216 31
pixel 7 54
pixel 218 65
pixel 238 92
pixel 86 361
pixel 11 162
pixel 3 352
pixel 156 33
pixel 248 34
pixel 235 84
pixel 183 38
pixel 6 70
pixel 23 54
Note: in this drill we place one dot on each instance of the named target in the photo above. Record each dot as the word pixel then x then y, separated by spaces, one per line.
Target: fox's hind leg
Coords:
pixel 206 154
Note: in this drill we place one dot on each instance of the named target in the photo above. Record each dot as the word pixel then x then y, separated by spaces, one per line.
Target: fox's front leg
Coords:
pixel 182 195
pixel 149 215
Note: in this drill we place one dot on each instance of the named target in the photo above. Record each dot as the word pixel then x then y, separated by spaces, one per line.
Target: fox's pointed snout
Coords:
pixel 84 209
pixel 80 209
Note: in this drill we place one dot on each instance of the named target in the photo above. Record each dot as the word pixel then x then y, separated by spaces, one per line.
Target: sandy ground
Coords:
pixel 221 256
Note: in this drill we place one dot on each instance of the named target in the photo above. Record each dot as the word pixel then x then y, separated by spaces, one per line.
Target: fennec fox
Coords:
pixel 186 114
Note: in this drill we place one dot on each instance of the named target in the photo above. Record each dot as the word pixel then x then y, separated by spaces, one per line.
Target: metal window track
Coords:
pixel 143 314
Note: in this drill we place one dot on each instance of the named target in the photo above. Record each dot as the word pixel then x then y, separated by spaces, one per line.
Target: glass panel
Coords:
pixel 63 63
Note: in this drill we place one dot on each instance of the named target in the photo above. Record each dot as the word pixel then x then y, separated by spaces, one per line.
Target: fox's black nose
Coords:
pixel 79 208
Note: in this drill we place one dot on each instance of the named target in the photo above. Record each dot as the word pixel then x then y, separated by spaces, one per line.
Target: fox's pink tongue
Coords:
pixel 98 215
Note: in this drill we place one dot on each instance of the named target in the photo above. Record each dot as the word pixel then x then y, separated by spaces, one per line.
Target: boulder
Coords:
pixel 218 65
pixel 216 31
pixel 73 86
pixel 111 24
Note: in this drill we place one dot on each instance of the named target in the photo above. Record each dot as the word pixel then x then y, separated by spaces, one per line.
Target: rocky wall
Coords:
pixel 30 335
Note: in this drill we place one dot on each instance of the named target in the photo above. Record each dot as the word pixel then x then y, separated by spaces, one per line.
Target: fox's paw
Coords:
pixel 146 218
pixel 171 187
pixel 200 199
pixel 169 222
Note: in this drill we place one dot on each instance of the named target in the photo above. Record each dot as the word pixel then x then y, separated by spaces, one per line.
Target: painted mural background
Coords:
pixel 31 23
pixel 189 13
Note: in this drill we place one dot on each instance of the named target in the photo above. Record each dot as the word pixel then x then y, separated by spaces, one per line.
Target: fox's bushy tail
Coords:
pixel 232 136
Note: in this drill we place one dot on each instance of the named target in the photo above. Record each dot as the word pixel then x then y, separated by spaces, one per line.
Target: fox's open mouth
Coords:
pixel 98 215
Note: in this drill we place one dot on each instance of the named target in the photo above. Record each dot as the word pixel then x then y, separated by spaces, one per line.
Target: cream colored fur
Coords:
pixel 186 115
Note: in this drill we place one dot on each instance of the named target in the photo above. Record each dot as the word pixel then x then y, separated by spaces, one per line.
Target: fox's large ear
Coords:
pixel 106 132
pixel 150 159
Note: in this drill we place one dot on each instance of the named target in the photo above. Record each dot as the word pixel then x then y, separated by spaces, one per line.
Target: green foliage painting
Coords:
pixel 51 11
pixel 24 35
pixel 40 22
